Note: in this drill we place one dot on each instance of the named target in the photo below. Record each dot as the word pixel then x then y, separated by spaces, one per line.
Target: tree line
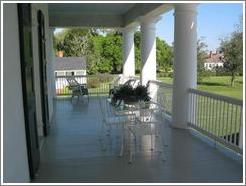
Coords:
pixel 103 51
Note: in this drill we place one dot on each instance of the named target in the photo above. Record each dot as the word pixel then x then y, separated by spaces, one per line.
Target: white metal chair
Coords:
pixel 113 118
pixel 147 124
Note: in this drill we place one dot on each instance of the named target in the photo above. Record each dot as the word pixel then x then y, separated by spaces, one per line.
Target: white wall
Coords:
pixel 210 66
pixel 15 161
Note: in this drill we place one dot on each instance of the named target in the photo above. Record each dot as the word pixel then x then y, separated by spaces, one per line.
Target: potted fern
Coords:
pixel 129 94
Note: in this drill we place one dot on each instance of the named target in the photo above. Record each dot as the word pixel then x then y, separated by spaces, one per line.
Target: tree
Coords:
pixel 106 54
pixel 59 40
pixel 164 55
pixel 77 42
pixel 232 48
pixel 201 56
pixel 112 52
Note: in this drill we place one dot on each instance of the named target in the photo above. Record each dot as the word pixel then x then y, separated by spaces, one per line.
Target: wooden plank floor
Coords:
pixel 72 153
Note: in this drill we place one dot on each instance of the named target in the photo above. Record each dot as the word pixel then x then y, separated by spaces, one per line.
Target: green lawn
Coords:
pixel 219 85
pixel 219 119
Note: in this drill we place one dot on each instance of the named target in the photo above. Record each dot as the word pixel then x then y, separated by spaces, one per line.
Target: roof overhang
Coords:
pixel 102 14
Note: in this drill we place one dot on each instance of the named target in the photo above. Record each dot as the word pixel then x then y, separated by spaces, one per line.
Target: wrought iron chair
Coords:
pixel 147 124
pixel 113 118
pixel 77 88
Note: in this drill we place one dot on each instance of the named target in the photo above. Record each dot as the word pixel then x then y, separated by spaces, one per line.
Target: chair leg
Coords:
pixel 151 143
pixel 72 97
pixel 122 144
pixel 130 149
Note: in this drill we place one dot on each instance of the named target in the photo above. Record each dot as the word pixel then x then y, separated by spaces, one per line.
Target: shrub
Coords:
pixel 105 78
pixel 93 82
pixel 221 71
pixel 165 74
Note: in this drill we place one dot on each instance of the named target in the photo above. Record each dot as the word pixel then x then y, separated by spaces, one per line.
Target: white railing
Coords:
pixel 216 116
pixel 162 93
pixel 95 83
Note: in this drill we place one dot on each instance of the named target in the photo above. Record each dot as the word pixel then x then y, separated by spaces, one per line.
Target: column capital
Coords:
pixel 149 19
pixel 129 29
pixel 185 8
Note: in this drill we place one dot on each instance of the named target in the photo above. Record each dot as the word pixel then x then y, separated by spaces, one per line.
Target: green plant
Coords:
pixel 141 93
pixel 105 78
pixel 128 93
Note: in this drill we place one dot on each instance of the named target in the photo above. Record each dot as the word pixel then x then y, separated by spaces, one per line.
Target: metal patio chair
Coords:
pixel 111 118
pixel 78 89
pixel 147 124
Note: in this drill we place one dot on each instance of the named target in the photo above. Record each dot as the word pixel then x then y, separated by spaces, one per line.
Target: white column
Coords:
pixel 148 49
pixel 128 55
pixel 185 61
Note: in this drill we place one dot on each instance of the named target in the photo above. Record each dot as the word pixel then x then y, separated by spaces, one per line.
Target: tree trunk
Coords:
pixel 232 79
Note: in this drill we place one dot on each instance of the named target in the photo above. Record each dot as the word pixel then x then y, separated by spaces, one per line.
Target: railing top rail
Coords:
pixel 161 84
pixel 217 96
pixel 96 75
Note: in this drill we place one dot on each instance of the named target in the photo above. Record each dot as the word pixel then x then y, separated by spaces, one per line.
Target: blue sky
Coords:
pixel 214 21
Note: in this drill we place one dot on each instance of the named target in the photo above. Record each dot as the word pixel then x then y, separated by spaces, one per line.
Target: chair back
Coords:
pixel 72 81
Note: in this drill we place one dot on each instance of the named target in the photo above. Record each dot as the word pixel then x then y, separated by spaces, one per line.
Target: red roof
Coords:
pixel 215 57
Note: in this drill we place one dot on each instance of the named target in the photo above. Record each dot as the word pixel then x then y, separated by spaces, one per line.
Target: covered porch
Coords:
pixel 203 131
pixel 73 153
pixel 131 16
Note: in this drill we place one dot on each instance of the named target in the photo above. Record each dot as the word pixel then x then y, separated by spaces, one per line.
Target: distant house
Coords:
pixel 67 66
pixel 214 60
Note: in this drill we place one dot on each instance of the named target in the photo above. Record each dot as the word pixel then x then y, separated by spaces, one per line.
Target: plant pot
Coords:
pixel 130 99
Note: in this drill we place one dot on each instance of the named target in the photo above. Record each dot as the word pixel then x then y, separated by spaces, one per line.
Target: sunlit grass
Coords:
pixel 218 85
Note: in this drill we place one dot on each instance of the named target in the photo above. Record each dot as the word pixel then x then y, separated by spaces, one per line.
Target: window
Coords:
pixel 60 73
pixel 80 73
pixel 70 73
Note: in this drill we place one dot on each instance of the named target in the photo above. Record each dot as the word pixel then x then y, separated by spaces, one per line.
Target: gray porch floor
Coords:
pixel 72 153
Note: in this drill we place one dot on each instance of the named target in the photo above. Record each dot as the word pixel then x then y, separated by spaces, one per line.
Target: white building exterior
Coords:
pixel 212 65
pixel 67 66
pixel 214 60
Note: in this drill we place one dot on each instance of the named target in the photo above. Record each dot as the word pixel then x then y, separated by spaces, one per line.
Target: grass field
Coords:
pixel 217 118
pixel 219 85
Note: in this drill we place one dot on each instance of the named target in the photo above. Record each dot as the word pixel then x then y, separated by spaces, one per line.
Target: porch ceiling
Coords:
pixel 101 14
